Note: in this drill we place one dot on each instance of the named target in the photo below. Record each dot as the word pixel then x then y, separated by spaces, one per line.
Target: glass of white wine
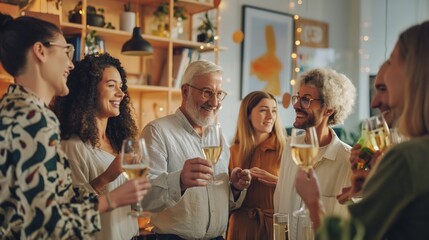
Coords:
pixel 375 136
pixel 304 148
pixel 212 146
pixel 135 165
pixel 378 133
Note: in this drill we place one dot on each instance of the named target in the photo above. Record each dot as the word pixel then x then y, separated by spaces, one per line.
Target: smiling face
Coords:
pixel 199 109
pixel 313 115
pixel 110 93
pixel 58 66
pixel 381 97
pixel 395 79
pixel 263 116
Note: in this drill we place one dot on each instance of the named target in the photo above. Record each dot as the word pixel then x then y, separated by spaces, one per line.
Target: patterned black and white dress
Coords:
pixel 37 200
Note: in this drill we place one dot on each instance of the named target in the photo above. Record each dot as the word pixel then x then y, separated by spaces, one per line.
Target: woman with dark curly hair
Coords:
pixel 95 118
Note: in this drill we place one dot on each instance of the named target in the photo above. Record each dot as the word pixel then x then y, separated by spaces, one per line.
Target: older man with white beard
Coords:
pixel 185 206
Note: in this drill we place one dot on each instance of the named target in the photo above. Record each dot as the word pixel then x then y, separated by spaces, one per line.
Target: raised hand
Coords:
pixel 240 179
pixel 196 172
pixel 263 176
pixel 130 192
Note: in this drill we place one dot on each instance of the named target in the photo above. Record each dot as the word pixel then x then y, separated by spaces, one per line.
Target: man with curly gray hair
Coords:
pixel 324 98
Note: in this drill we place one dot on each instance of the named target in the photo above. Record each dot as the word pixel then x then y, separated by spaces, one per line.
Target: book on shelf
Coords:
pixel 182 57
pixel 76 41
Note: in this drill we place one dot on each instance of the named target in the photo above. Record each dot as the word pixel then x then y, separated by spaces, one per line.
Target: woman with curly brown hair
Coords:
pixel 95 118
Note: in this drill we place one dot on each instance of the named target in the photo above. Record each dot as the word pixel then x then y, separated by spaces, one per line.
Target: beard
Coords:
pixel 310 122
pixel 194 112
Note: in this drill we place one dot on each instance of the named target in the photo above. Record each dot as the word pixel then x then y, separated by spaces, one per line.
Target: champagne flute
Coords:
pixel 375 136
pixel 304 149
pixel 211 145
pixel 135 164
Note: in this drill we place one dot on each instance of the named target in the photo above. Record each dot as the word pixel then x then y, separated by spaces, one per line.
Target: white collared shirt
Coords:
pixel 333 171
pixel 202 212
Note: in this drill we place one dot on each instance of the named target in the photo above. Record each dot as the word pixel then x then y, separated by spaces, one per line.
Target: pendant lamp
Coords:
pixel 137 46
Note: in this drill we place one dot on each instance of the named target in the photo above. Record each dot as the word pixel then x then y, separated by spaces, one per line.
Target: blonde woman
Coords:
pixel 258 145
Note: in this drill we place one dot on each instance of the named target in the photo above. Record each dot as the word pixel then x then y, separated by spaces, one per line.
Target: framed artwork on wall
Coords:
pixel 312 33
pixel 266 62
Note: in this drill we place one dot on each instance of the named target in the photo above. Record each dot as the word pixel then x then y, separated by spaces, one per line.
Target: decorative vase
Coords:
pixel 127 21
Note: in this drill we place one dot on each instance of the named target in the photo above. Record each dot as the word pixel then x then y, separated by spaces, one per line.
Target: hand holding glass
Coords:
pixel 375 136
pixel 211 145
pixel 135 164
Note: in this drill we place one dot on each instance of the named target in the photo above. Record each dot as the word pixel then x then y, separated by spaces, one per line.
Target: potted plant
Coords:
pixel 160 26
pixel 127 18
pixel 94 17
pixel 206 30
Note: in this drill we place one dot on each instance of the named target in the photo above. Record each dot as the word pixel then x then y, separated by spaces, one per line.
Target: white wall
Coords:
pixel 335 12
pixel 348 21
pixel 382 22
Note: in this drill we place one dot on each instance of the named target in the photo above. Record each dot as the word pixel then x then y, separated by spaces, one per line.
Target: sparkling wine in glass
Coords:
pixel 375 136
pixel 304 149
pixel 211 145
pixel 135 164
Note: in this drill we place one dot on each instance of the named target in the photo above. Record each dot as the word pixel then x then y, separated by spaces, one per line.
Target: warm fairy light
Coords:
pixel 161 109
pixel 296 17
pixel 202 47
pixel 216 37
pixel 208 44
pixel 365 38
pixel 292 82
pixel 299 29
pixel 297 69
pixel 299 2
pixel 291 5
pixel 293 55
pixel 297 42
pixel 367 69
pixel 216 49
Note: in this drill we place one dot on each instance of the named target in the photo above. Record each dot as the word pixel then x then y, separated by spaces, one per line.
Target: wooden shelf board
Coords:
pixel 192 6
pixel 203 47
pixel 71 28
pixel 123 36
pixel 147 88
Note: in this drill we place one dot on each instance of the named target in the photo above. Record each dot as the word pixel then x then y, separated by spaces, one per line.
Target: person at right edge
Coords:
pixel 185 205
pixel 359 176
pixel 395 202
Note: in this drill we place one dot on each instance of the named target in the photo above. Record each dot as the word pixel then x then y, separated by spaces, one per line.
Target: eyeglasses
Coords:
pixel 208 94
pixel 69 48
pixel 304 101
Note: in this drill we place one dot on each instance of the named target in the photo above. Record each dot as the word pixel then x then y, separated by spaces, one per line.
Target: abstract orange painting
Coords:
pixel 266 51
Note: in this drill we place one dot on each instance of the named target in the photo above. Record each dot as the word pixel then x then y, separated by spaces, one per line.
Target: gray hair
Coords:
pixel 199 68
pixel 336 90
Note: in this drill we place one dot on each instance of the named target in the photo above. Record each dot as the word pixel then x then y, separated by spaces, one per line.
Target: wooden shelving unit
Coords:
pixel 149 101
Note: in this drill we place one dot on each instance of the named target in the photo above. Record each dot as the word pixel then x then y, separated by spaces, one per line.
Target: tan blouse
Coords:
pixel 254 220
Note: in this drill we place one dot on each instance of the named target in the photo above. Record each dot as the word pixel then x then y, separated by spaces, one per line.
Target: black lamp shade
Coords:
pixel 137 46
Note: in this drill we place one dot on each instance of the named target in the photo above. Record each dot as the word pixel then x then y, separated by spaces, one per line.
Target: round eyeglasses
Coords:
pixel 69 48
pixel 208 93
pixel 305 102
